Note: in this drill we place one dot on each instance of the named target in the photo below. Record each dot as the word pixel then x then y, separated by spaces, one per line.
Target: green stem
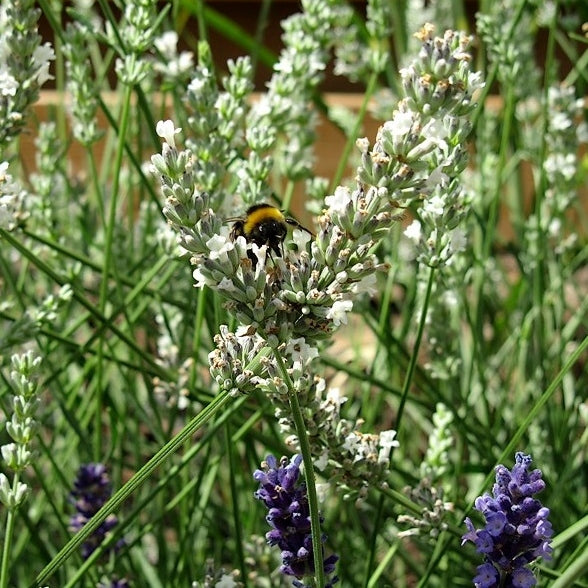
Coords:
pixel 287 198
pixel 400 29
pixel 503 154
pixel 480 279
pixel 106 266
pixel 576 570
pixel 97 190
pixel 403 396
pixel 353 136
pixel 8 535
pixel 417 344
pixel 373 542
pixel 540 275
pixel 315 525
pixel 237 520
pixel 263 22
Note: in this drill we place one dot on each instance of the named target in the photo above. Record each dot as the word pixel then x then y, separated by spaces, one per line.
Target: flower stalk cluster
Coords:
pixel 80 84
pixel 49 182
pixel 28 325
pixel 554 132
pixel 436 462
pixel 167 392
pixel 507 31
pixel 306 294
pixel 432 518
pixel 517 530
pixel 132 39
pixel 309 294
pixel 18 455
pixel 12 200
pixel 289 517
pixel 353 57
pixel 22 428
pixel 217 123
pixel 352 460
pixel 359 58
pixel 92 488
pixel 24 65
pixel 174 67
pixel 566 130
pixel 429 492
pixel 427 133
pixel 288 304
pixel 284 110
pixel 349 458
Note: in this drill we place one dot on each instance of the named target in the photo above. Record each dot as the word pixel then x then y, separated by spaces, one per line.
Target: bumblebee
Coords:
pixel 264 224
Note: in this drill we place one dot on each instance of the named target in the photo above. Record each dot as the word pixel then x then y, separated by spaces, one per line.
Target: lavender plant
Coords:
pixel 288 515
pixel 517 530
pixel 18 455
pixel 429 494
pixel 25 66
pixel 80 84
pixel 428 319
pixel 287 302
pixel 22 428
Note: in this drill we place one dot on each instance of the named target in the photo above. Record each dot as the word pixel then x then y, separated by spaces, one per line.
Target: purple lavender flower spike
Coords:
pixel 517 531
pixel 289 517
pixel 92 488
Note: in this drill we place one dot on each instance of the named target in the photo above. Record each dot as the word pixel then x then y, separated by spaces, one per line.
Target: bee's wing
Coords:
pixel 237 230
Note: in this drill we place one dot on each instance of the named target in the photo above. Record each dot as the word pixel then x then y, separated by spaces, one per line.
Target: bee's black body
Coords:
pixel 264 224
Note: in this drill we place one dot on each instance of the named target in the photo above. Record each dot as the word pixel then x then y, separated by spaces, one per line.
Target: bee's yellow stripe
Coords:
pixel 260 215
